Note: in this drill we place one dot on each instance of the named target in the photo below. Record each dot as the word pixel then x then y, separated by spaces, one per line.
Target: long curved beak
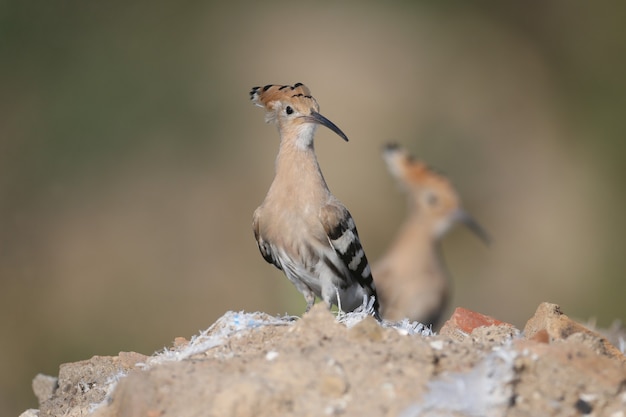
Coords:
pixel 315 117
pixel 465 218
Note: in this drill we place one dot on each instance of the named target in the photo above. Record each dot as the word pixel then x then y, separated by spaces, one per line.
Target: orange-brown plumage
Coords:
pixel 411 277
pixel 275 93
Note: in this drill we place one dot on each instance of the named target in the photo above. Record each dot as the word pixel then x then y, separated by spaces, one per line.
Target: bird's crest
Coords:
pixel 274 97
pixel 412 172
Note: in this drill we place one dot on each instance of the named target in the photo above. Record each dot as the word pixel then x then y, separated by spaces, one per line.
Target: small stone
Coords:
pixel 271 355
pixel 180 342
pixel 549 324
pixel 367 329
pixel 333 386
pixel 583 406
pixel 437 344
pixel 44 387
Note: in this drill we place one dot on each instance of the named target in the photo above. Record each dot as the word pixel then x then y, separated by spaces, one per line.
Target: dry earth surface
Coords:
pixel 257 365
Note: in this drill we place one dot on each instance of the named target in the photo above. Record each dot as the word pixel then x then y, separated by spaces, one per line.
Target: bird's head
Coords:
pixel 430 193
pixel 293 108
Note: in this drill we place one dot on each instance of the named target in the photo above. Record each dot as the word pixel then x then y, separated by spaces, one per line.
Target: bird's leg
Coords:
pixel 309 297
pixel 338 300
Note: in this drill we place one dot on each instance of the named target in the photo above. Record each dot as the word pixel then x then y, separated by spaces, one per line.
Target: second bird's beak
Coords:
pixel 465 218
pixel 315 117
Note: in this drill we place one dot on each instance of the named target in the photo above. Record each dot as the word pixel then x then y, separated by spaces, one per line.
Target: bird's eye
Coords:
pixel 288 110
pixel 432 199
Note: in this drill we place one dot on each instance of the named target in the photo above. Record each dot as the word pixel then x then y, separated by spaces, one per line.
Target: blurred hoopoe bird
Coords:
pixel 411 277
pixel 301 227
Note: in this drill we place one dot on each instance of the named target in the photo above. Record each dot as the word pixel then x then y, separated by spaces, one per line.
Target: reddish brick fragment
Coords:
pixel 466 321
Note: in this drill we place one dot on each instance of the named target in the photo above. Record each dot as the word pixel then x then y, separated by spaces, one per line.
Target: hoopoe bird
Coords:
pixel 411 277
pixel 300 227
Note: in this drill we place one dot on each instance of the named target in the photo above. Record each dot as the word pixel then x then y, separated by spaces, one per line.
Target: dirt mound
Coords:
pixel 257 365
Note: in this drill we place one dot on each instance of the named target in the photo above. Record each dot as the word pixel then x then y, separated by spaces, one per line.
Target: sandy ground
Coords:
pixel 257 365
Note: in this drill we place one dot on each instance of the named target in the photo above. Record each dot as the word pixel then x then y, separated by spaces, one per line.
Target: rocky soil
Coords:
pixel 257 365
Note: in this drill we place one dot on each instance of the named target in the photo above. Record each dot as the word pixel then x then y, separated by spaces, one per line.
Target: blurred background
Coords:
pixel 131 159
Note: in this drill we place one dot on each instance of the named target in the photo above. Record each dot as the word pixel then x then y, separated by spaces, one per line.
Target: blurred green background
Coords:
pixel 131 159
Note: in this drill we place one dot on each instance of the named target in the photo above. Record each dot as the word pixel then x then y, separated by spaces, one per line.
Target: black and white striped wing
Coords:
pixel 344 238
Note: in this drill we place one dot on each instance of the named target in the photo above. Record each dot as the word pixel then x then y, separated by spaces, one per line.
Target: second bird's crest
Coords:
pixel 412 171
